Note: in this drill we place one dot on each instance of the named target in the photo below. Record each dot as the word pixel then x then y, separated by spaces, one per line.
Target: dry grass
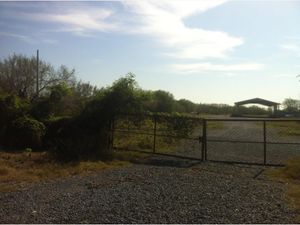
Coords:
pixel 20 168
pixel 291 175
pixel 145 142
pixel 217 125
pixel 286 128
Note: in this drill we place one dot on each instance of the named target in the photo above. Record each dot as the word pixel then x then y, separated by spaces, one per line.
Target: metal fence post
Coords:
pixel 112 132
pixel 154 134
pixel 204 139
pixel 265 143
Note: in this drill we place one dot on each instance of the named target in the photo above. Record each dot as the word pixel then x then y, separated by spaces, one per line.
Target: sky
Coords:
pixel 204 51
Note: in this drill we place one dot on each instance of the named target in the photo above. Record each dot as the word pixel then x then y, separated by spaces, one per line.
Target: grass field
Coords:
pixel 286 128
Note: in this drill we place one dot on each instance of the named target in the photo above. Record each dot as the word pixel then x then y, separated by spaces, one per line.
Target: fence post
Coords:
pixel 265 143
pixel 154 134
pixel 204 142
pixel 112 132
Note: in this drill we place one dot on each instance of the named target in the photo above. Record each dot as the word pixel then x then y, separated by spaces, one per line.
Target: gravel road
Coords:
pixel 162 190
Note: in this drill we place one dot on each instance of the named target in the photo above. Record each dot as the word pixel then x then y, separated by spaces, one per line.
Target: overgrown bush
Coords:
pixel 24 132
pixel 69 140
pixel 80 147
pixel 176 124
pixel 11 107
pixel 88 134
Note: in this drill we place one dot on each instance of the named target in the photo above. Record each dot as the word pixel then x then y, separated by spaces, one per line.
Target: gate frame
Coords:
pixel 264 142
pixel 203 138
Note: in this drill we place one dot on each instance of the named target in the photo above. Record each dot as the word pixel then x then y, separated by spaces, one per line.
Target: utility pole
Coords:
pixel 37 73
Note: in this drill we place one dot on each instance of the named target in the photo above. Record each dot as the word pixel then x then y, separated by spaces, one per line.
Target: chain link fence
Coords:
pixel 259 141
pixel 162 134
pixel 253 141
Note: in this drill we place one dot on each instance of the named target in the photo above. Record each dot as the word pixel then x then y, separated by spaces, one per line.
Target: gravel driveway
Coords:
pixel 162 190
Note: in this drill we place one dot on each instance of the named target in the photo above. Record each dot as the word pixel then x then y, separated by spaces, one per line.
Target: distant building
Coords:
pixel 273 105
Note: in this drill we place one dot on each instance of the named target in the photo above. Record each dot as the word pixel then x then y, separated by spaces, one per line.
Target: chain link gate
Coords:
pixel 250 141
pixel 178 136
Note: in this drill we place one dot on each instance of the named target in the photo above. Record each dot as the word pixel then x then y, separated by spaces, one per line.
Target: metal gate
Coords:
pixel 163 134
pixel 251 141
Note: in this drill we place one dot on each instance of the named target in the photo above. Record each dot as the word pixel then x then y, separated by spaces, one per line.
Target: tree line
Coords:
pixel 71 117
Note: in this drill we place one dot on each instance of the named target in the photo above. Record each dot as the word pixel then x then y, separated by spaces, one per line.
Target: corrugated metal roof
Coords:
pixel 257 101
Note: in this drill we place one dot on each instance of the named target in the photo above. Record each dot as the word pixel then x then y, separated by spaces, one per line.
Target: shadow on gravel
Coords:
pixel 168 162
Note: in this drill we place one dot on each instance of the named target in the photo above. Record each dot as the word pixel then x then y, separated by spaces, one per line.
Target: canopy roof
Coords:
pixel 257 101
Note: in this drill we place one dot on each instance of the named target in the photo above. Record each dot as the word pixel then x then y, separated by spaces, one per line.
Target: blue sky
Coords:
pixel 204 51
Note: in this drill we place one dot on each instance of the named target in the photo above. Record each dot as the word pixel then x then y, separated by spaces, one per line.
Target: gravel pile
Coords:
pixel 157 192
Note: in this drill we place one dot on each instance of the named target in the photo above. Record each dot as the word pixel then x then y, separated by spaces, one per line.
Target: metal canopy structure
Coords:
pixel 257 101
pixel 260 101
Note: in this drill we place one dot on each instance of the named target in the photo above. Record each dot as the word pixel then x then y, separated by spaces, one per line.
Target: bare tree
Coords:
pixel 18 76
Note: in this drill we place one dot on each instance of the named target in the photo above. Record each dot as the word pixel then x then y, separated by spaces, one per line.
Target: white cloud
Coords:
pixel 49 41
pixel 29 39
pixel 285 76
pixel 79 22
pixel 291 44
pixel 18 36
pixel 164 20
pixel 209 67
pixel 161 20
pixel 291 47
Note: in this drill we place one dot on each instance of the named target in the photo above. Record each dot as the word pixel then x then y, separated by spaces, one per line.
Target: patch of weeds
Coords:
pixel 286 128
pixel 18 168
pixel 290 174
pixel 215 125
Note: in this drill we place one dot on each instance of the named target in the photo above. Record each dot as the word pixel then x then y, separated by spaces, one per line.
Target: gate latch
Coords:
pixel 200 138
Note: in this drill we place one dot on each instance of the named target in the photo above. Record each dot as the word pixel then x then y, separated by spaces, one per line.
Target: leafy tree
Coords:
pixel 84 90
pixel 184 105
pixel 291 105
pixel 214 108
pixel 52 104
pixel 88 133
pixel 122 97
pixel 163 101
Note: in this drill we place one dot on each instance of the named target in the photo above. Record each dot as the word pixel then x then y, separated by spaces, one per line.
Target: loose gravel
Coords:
pixel 162 190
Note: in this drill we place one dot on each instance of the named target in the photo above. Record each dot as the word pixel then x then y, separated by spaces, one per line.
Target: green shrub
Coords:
pixel 81 147
pixel 24 132
pixel 87 135
pixel 11 107
pixel 67 139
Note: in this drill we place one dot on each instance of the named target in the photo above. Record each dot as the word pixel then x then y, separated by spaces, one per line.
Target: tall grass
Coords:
pixel 291 175
pixel 17 168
